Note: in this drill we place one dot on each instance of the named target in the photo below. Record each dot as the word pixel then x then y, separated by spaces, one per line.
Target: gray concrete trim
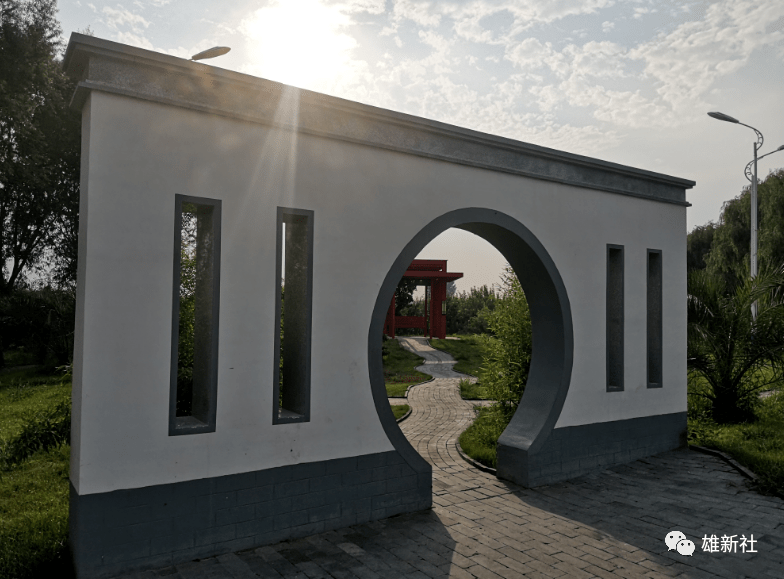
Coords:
pixel 654 319
pixel 577 450
pixel 573 451
pixel 157 526
pixel 190 424
pixel 116 68
pixel 551 363
pixel 615 316
pixel 279 416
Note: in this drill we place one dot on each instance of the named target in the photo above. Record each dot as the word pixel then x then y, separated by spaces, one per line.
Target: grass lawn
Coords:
pixel 399 366
pixel 468 353
pixel 400 410
pixel 758 446
pixel 33 488
pixel 479 440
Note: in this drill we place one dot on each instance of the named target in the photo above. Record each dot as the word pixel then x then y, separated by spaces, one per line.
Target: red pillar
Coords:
pixel 427 316
pixel 389 324
pixel 439 319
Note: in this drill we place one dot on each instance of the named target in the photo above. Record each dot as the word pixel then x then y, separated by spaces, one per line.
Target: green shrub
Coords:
pixel 507 356
pixel 39 324
pixel 42 431
pixel 471 390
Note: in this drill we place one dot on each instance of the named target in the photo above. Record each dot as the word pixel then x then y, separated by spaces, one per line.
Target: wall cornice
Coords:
pixel 111 67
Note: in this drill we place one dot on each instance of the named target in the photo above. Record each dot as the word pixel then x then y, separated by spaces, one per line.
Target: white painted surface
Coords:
pixel 368 204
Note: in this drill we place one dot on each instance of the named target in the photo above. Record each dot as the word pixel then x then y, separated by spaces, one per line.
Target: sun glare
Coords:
pixel 298 42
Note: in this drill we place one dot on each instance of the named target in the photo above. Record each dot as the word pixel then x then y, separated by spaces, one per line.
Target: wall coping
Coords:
pixel 111 67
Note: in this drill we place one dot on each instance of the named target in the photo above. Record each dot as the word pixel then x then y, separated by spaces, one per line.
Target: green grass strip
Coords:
pixel 400 410
pixel 34 517
pixel 399 366
pixel 479 440
pixel 467 351
pixel 759 446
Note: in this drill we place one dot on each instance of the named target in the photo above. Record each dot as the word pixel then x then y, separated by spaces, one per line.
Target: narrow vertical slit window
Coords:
pixel 615 362
pixel 294 288
pixel 196 297
pixel 654 318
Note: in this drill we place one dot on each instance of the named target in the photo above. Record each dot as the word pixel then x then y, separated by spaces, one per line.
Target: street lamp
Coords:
pixel 751 175
pixel 211 52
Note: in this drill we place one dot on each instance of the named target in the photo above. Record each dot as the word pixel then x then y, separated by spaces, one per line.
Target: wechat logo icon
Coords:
pixel 678 541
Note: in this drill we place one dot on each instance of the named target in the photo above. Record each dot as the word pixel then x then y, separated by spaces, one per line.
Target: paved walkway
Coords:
pixel 610 524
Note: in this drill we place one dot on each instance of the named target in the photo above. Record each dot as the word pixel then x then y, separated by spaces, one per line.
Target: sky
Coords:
pixel 627 81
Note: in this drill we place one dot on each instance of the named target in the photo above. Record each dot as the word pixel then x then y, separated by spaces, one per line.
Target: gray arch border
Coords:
pixel 552 350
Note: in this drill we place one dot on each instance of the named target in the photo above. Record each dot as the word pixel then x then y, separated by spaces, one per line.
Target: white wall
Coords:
pixel 368 204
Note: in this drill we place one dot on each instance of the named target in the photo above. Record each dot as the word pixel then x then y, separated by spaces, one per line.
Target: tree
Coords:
pixel 507 356
pixel 698 245
pixel 41 321
pixel 737 357
pixel 467 312
pixel 187 313
pixel 731 245
pixel 39 147
pixel 404 296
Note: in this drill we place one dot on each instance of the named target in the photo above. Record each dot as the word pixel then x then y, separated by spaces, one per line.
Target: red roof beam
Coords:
pixel 447 275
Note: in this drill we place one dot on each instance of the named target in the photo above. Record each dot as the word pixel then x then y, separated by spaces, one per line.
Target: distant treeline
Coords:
pixel 466 312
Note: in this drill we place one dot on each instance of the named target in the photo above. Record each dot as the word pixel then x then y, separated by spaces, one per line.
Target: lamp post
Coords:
pixel 751 175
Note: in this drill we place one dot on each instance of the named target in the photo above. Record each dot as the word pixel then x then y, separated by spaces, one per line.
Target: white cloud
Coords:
pixel 531 54
pixel 368 6
pixel 134 40
pixel 120 18
pixel 640 12
pixel 465 17
pixel 425 14
pixel 607 26
pixel 685 63
pixel 548 97
pixel 599 59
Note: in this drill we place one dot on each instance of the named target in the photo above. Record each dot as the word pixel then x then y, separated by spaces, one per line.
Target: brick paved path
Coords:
pixel 610 524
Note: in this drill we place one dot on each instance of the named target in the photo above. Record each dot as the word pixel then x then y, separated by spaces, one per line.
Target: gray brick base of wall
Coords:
pixel 576 450
pixel 137 529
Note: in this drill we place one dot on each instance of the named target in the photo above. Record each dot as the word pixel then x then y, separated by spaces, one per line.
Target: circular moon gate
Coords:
pixel 552 339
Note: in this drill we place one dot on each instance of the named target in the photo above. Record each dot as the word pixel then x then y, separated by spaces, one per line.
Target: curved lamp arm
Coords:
pixel 760 138
pixel 748 171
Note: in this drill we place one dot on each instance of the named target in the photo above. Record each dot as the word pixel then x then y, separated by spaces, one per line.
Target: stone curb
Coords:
pixel 472 462
pixel 417 384
pixel 728 459
pixel 406 415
